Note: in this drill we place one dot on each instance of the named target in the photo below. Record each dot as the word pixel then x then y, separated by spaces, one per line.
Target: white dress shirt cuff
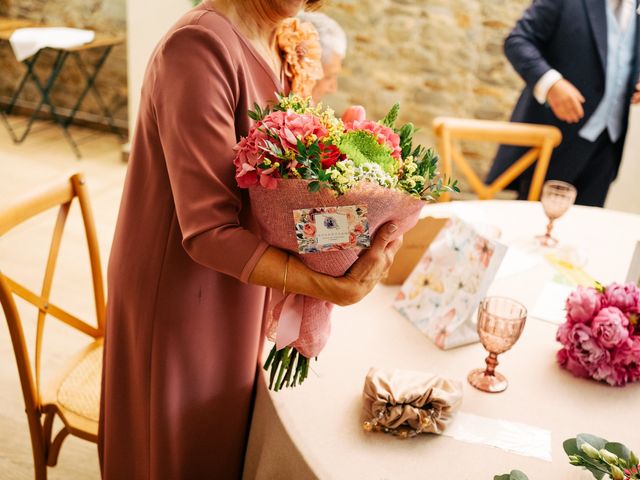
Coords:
pixel 545 83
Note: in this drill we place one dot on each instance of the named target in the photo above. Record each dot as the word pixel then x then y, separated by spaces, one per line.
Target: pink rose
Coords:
pixel 625 297
pixel 583 304
pixel 610 327
pixel 354 113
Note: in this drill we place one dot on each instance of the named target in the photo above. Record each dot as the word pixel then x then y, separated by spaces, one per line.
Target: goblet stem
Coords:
pixel 492 363
pixel 547 240
pixel 549 228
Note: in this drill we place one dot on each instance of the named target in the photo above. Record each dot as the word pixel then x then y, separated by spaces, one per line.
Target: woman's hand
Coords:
pixel 363 275
pixel 369 269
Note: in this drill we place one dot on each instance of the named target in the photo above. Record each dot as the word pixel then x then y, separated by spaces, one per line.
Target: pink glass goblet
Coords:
pixel 556 199
pixel 500 323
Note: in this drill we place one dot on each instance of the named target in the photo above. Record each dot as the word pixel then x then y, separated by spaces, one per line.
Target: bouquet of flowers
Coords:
pixel 320 188
pixel 601 337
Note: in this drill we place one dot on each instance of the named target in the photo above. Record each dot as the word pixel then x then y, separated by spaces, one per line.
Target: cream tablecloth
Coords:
pixel 315 431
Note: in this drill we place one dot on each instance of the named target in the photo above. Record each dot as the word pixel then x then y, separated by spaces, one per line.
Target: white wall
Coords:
pixel 625 192
pixel 147 22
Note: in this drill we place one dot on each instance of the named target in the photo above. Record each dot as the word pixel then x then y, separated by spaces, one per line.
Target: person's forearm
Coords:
pixel 270 272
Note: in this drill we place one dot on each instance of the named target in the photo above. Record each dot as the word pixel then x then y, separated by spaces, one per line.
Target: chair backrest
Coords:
pixel 541 139
pixel 59 195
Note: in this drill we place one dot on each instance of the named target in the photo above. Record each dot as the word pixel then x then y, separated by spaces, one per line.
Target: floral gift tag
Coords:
pixel 328 229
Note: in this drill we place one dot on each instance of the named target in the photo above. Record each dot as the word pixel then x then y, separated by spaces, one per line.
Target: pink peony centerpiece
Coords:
pixel 601 337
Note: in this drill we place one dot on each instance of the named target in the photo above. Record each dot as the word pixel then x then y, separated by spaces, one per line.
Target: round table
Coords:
pixel 315 431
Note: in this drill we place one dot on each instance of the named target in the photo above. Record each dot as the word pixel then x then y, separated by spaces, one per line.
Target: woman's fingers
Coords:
pixel 384 236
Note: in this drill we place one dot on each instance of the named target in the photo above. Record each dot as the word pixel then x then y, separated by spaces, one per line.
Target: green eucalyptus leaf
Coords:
pixel 593 440
pixel 504 476
pixel 597 473
pixel 518 475
pixel 570 447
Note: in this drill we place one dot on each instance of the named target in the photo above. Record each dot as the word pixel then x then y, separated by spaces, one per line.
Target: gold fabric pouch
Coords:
pixel 406 403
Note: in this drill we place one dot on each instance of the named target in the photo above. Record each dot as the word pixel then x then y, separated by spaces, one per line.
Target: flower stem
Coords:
pixel 287 368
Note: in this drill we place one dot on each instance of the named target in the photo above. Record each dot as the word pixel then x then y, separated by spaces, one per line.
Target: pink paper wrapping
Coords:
pixel 305 322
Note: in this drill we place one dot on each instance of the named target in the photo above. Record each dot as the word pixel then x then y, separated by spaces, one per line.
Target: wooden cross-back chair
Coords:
pixel 541 139
pixel 74 397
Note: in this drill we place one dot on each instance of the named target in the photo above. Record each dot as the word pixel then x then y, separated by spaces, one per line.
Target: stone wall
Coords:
pixel 437 57
pixel 107 16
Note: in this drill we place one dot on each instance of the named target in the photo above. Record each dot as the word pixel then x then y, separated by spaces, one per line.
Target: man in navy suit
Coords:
pixel 580 60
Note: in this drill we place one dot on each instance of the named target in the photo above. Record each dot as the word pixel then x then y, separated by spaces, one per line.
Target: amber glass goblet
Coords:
pixel 500 323
pixel 556 199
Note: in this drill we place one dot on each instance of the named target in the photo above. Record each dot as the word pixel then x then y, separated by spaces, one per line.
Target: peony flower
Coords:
pixel 384 135
pixel 585 348
pixel 625 297
pixel 562 335
pixel 583 304
pixel 566 360
pixel 610 327
pixel 627 355
pixel 614 375
pixel 300 45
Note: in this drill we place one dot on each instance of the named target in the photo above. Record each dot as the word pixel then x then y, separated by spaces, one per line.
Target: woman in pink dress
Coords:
pixel 187 272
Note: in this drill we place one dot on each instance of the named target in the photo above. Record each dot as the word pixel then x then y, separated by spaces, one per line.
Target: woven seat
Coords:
pixel 79 392
pixel 75 397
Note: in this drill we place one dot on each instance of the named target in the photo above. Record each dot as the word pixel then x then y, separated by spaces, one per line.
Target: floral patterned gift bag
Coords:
pixel 444 289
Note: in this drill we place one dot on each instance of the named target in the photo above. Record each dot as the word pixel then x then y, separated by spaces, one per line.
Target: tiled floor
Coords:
pixel 45 157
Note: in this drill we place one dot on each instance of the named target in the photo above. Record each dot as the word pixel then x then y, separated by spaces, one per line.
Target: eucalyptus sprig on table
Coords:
pixel 597 455
pixel 602 457
pixel 513 475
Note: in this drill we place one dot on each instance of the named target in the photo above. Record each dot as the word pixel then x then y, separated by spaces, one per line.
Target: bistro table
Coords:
pixel 88 69
pixel 315 431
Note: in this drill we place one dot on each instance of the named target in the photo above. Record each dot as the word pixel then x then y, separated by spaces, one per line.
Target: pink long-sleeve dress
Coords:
pixel 184 327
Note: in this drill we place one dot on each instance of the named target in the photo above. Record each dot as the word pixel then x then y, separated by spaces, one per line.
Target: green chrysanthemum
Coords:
pixel 362 147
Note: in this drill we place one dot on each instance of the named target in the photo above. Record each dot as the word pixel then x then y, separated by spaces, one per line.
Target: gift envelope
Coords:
pixel 444 289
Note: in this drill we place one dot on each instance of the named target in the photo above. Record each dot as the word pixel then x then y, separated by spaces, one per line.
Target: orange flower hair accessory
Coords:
pixel 300 45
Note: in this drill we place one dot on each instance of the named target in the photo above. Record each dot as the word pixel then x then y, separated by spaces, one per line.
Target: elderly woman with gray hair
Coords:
pixel 333 44
pixel 333 41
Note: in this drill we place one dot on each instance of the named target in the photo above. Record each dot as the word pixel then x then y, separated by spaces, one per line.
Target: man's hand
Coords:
pixel 566 101
pixel 636 96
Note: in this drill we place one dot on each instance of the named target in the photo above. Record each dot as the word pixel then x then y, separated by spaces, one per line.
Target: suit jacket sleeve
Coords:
pixel 525 45
pixel 195 93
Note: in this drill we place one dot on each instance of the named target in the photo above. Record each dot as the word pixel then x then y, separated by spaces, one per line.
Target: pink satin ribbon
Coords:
pixel 289 320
